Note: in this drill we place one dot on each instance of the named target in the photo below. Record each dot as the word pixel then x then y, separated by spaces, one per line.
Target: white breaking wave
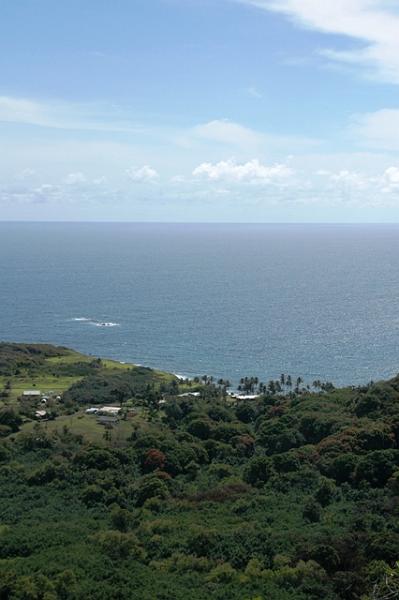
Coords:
pixel 95 322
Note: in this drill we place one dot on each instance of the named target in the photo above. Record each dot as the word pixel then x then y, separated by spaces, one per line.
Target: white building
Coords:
pixel 111 411
pixel 31 394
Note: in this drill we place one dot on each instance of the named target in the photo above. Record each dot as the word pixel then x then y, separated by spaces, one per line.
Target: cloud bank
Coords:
pixel 373 23
pixel 251 171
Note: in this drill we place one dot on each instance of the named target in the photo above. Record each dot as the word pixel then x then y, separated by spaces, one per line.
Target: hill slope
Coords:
pixel 293 495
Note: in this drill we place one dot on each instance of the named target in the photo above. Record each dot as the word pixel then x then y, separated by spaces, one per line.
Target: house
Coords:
pixel 111 411
pixel 31 394
pixel 244 396
pixel 190 395
pixel 40 414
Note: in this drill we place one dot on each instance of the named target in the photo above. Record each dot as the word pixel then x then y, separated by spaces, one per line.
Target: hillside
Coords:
pixel 292 495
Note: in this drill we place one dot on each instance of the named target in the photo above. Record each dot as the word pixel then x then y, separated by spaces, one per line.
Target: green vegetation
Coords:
pixel 293 495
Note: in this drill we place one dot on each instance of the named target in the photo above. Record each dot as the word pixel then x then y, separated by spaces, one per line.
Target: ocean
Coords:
pixel 316 301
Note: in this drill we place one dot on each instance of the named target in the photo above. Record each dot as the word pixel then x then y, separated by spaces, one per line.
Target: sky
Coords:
pixel 199 110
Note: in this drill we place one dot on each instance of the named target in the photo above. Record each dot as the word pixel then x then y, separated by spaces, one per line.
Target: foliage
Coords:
pixel 289 496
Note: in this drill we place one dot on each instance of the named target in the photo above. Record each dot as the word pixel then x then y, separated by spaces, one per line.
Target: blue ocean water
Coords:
pixel 317 301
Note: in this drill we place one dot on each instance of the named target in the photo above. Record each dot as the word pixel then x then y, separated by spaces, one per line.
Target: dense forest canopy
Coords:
pixel 188 492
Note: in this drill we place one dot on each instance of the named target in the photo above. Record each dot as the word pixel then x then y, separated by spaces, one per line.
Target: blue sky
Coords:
pixel 199 110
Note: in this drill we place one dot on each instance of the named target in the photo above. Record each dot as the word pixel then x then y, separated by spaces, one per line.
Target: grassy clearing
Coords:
pixel 55 374
pixel 47 382
pixel 44 383
pixel 87 426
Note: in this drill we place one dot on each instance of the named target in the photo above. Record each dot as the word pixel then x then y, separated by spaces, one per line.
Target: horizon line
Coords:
pixel 128 222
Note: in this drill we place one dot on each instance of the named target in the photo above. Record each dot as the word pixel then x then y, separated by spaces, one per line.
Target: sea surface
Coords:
pixel 316 301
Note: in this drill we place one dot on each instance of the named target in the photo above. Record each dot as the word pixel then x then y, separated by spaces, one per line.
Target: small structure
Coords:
pixel 190 395
pixel 244 396
pixel 91 411
pixel 41 414
pixel 31 394
pixel 111 411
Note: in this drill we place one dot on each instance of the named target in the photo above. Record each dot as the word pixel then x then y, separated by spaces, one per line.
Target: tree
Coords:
pixel 258 470
pixel 312 511
pixel 121 518
pixel 153 459
pixel 150 487
pixel 201 428
pixel 10 418
pixel 325 492
pixel 376 467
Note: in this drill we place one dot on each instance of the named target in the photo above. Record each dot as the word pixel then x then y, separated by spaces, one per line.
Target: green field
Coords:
pixel 86 426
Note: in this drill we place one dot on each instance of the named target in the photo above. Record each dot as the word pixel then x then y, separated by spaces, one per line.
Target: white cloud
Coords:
pixel 390 180
pixel 20 110
pixel 100 180
pixel 62 115
pixel 350 178
pixel 250 171
pixel 378 129
pixel 373 22
pixel 75 178
pixel 254 92
pixel 227 132
pixel 26 173
pixel 142 174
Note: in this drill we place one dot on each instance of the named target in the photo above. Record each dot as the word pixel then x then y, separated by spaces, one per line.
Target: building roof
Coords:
pixel 244 396
pixel 112 410
pixel 31 393
pixel 107 419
